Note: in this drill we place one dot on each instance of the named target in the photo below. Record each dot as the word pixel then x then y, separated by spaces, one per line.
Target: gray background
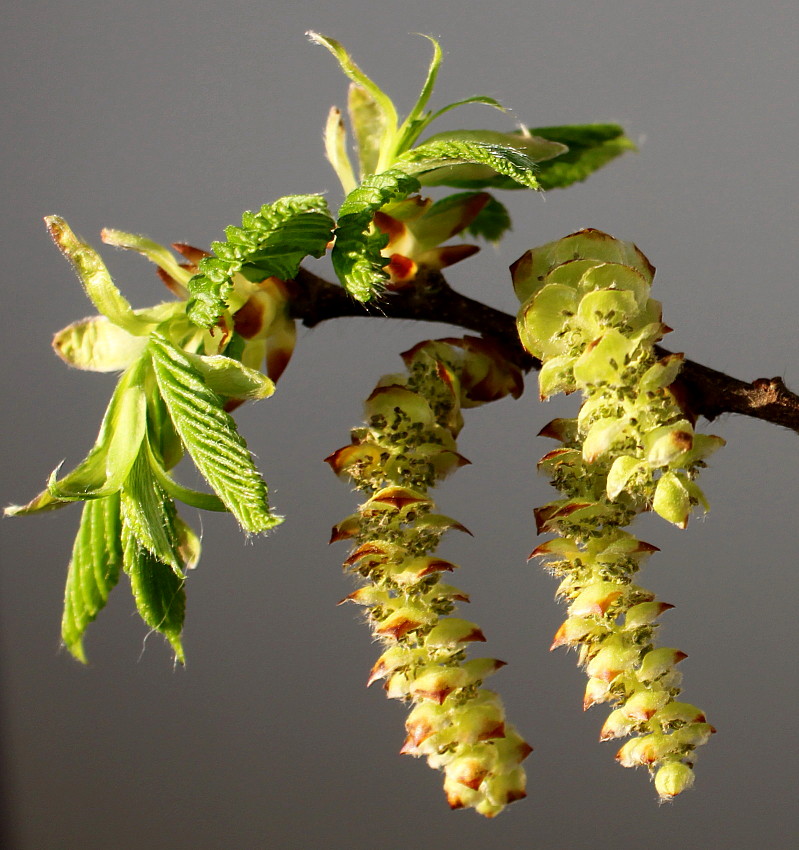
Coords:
pixel 170 118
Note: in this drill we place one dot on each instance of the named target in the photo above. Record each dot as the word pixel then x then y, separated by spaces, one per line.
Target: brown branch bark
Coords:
pixel 706 392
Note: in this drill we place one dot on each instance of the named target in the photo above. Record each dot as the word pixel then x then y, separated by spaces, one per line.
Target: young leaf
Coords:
pixel 473 159
pixel 356 254
pixel 96 280
pixel 154 252
pixel 107 465
pixel 336 149
pixel 383 103
pixel 230 378
pixel 272 242
pixel 416 121
pixel 149 514
pixel 590 146
pixel 98 345
pixel 483 99
pixel 159 593
pixel 210 437
pixel 195 498
pixel 93 570
pixel 492 222
pixel 368 126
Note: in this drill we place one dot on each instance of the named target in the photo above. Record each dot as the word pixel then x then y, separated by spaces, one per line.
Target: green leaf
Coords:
pixel 231 378
pixel 356 254
pixel 336 149
pixel 93 570
pixel 158 592
pixel 189 544
pixel 441 160
pixel 357 76
pixel 210 437
pixel 273 242
pixel 96 280
pixel 107 465
pixel 98 345
pixel 445 218
pixel 483 99
pixel 590 146
pixel 162 439
pixel 492 222
pixel 194 498
pixel 368 126
pixel 417 120
pixel 149 514
pixel 158 254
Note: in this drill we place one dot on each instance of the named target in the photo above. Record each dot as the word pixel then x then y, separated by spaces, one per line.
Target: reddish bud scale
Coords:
pixel 458 725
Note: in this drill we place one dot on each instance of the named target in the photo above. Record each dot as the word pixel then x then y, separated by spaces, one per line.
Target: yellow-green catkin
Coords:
pixel 405 447
pixel 587 314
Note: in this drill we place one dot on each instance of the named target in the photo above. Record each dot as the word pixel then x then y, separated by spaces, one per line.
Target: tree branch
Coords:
pixel 705 391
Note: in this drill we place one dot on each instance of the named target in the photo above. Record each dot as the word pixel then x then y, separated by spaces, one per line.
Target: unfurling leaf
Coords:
pixel 356 254
pixel 270 243
pixel 481 158
pixel 98 345
pixel 107 465
pixel 589 147
pixel 209 434
pixel 93 570
pixel 159 593
pixel 96 280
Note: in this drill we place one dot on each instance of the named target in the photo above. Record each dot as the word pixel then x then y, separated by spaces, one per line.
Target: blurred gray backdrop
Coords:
pixel 170 118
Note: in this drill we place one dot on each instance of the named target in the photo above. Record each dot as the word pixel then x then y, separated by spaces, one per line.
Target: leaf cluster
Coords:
pixel 186 363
